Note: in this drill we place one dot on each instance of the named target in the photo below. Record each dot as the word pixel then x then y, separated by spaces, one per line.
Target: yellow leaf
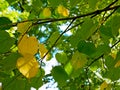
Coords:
pixel 63 11
pixel 23 27
pixel 78 60
pixel 46 12
pixel 103 86
pixel 28 65
pixel 60 9
pixel 28 45
pixel 43 50
pixel 117 64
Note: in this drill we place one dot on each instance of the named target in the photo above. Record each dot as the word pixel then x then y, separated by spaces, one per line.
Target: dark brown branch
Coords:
pixel 42 21
pixel 58 39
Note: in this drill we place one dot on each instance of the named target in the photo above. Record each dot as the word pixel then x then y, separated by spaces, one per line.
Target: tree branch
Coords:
pixel 102 54
pixel 42 21
pixel 57 39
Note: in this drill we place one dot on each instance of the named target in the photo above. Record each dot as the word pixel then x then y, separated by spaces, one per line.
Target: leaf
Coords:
pixel 55 3
pixel 5 23
pixel 78 60
pixel 63 11
pixel 46 12
pixel 36 5
pixel 74 2
pixel 109 62
pixel 28 45
pixel 9 63
pixel 43 51
pixel 114 24
pixel 28 65
pixel 15 84
pixel 87 48
pixel 53 38
pixel 61 57
pixel 117 64
pixel 68 68
pixel 6 42
pixel 92 3
pixel 24 27
pixel 59 75
pixel 87 29
pixel 112 72
pixel 103 86
pixel 37 82
pixel 101 49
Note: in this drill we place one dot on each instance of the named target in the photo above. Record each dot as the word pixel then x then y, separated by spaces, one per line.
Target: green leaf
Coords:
pixel 78 60
pixel 101 49
pixel 36 5
pixel 9 63
pixel 54 37
pixel 92 3
pixel 4 23
pixel 55 3
pixel 11 1
pixel 114 23
pixel 37 82
pixel 74 2
pixel 87 48
pixel 59 75
pixel 14 84
pixel 68 68
pixel 87 29
pixel 6 42
pixel 112 74
pixel 61 57
pixel 109 62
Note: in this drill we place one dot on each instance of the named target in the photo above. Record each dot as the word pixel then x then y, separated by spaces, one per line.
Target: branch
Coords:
pixel 57 39
pixel 47 20
pixel 102 54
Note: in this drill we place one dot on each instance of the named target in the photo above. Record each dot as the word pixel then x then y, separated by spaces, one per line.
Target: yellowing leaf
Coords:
pixel 78 60
pixel 60 9
pixel 117 64
pixel 43 50
pixel 28 65
pixel 63 11
pixel 28 45
pixel 23 27
pixel 46 12
pixel 103 86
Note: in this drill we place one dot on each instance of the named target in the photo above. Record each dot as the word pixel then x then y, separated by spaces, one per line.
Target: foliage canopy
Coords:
pixel 82 35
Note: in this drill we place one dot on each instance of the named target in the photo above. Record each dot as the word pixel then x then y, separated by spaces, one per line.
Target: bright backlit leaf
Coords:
pixel 28 65
pixel 43 50
pixel 46 12
pixel 28 45
pixel 63 11
pixel 53 38
pixel 24 27
pixel 78 60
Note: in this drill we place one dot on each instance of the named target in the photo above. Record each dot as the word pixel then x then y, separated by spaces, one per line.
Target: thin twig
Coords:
pixel 57 39
pixel 102 54
pixel 42 21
